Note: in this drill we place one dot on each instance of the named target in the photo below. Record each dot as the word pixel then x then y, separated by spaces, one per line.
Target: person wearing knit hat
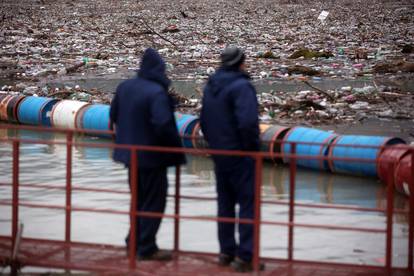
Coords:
pixel 232 57
pixel 229 121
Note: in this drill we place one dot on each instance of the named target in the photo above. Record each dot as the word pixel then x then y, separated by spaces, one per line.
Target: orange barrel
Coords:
pixel 404 181
pixel 310 142
pixel 271 139
pixel 12 108
pixel 64 113
pixel 390 154
pixel 3 107
pixel 198 140
pixel 2 97
pixel 367 148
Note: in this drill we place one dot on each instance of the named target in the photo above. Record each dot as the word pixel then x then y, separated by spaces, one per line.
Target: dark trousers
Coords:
pixel 152 186
pixel 236 186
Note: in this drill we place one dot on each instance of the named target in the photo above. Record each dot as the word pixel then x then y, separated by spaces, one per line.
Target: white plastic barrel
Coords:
pixel 64 113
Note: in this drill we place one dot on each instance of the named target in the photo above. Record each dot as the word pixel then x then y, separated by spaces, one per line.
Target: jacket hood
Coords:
pixel 224 77
pixel 153 68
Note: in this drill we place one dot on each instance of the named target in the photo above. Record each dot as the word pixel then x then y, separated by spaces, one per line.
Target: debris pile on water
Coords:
pixel 283 40
pixel 39 40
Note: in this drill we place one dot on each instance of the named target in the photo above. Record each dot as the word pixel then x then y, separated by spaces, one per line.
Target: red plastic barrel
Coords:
pixel 404 181
pixel 390 154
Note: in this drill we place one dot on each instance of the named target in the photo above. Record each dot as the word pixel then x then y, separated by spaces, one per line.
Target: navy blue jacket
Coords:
pixel 229 115
pixel 142 112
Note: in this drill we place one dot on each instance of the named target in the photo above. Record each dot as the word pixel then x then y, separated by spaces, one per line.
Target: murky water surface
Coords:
pixel 93 167
pixel 188 88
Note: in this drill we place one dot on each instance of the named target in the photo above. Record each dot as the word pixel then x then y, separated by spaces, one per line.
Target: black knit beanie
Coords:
pixel 232 57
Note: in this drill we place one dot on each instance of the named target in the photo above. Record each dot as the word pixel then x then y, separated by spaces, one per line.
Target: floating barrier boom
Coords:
pixel 277 140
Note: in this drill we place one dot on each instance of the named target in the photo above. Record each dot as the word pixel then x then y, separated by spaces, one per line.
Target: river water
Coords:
pixel 108 83
pixel 93 167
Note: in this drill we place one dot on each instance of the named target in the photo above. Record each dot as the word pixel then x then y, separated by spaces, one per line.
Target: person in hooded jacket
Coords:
pixel 229 121
pixel 142 114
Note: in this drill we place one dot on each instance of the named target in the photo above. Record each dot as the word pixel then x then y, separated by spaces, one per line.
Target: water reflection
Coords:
pixel 311 186
pixel 188 88
pixel 93 167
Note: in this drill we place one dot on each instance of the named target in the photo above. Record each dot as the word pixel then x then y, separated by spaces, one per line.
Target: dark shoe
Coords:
pixel 159 255
pixel 242 266
pixel 224 259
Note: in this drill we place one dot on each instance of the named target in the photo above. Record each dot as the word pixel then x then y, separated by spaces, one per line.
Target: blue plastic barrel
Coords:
pixel 300 135
pixel 185 126
pixel 93 117
pixel 35 110
pixel 343 148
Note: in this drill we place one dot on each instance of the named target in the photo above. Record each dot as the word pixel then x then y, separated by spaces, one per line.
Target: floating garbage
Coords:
pixel 58 45
pixel 322 16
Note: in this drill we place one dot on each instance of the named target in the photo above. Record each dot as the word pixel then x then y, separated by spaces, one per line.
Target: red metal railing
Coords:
pixel 256 221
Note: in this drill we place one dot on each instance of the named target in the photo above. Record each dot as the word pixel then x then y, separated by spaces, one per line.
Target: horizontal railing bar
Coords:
pixel 215 219
pixel 208 254
pixel 324 226
pixel 306 262
pixel 270 202
pixel 74 187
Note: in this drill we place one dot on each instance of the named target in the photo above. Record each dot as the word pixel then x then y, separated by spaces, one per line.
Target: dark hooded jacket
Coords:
pixel 142 112
pixel 229 115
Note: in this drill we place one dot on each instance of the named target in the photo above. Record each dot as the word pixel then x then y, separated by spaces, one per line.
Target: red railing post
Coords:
pixel 177 210
pixel 390 209
pixel 15 210
pixel 292 180
pixel 68 219
pixel 257 211
pixel 411 217
pixel 133 212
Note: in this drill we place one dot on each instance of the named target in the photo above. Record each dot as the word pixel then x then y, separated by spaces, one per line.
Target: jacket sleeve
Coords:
pixel 202 120
pixel 246 113
pixel 163 121
pixel 113 111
